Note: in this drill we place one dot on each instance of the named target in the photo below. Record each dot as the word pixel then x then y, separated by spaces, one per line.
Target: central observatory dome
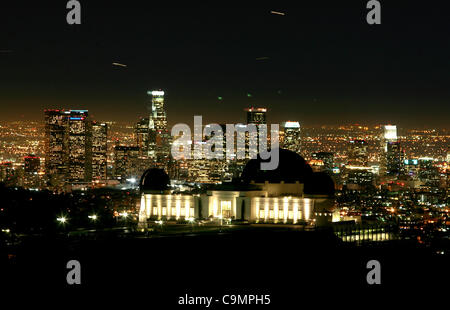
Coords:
pixel 154 180
pixel 291 168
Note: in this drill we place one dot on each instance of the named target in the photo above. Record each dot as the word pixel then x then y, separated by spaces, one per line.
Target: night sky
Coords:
pixel 321 64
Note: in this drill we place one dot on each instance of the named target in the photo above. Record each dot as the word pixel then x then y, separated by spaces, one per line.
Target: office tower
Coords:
pixel 256 116
pixel 99 152
pixel 394 159
pixel 389 134
pixel 428 172
pixel 142 132
pixel 159 136
pixel 56 147
pixel 326 159
pixel 126 162
pixel 80 148
pixel 292 139
pixel 32 165
pixel 68 148
pixel 358 155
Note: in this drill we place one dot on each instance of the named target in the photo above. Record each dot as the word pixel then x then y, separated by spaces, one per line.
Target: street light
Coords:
pixel 61 219
pixel 93 217
pixel 160 222
pixel 191 220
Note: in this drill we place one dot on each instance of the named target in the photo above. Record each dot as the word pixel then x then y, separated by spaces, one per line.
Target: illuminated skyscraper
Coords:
pixel 159 136
pixel 256 116
pixel 126 162
pixel 79 147
pixel 388 135
pixel 68 148
pixel 292 139
pixel 394 159
pixel 142 132
pixel 99 152
pixel 56 147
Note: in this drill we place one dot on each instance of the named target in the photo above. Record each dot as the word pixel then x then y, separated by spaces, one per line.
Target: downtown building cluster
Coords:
pixel 75 150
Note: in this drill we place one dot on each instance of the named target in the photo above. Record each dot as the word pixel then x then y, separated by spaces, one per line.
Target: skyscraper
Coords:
pixel 292 139
pixel 99 152
pixel 68 148
pixel 79 147
pixel 55 146
pixel 256 116
pixel 394 159
pixel 159 137
pixel 126 162
pixel 388 135
pixel 142 132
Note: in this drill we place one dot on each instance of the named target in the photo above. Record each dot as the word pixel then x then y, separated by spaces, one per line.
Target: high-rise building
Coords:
pixel 292 139
pixel 428 172
pixel 256 116
pixel 394 159
pixel 388 135
pixel 358 155
pixel 56 147
pixel 99 152
pixel 31 177
pixel 79 147
pixel 68 148
pixel 126 163
pixel 142 132
pixel 159 136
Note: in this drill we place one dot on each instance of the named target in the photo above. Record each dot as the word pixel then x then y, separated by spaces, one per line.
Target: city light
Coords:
pixel 62 219
pixel 290 124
